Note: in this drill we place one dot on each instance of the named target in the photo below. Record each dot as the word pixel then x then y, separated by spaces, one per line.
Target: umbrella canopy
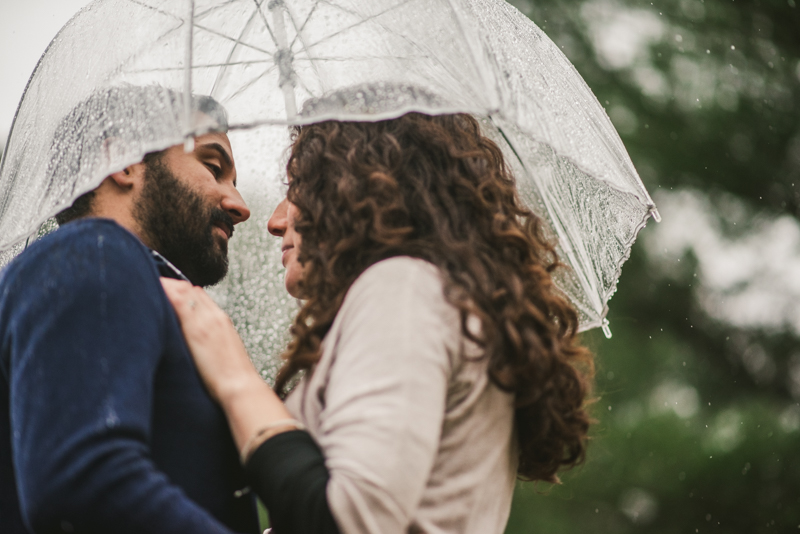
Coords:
pixel 275 63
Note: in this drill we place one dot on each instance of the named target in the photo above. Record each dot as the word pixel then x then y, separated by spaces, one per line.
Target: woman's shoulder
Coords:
pixel 399 289
pixel 396 280
pixel 402 272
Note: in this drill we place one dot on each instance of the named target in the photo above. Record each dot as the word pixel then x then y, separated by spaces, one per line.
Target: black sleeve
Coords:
pixel 288 473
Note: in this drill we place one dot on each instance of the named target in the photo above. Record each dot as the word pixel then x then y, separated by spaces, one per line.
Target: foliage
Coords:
pixel 697 399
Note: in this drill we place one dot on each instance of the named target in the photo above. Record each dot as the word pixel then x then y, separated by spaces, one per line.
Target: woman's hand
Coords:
pixel 218 351
pixel 249 403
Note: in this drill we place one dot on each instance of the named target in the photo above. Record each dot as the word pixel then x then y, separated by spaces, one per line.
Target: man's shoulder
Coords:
pixel 89 230
pixel 81 246
pixel 81 237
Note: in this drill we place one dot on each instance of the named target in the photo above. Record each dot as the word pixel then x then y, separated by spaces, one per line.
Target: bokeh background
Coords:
pixel 698 391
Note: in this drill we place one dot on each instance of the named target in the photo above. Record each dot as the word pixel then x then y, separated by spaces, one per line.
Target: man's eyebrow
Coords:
pixel 223 154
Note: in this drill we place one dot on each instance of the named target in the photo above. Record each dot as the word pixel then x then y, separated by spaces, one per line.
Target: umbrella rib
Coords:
pixel 206 66
pixel 303 85
pixel 215 8
pixel 463 31
pixel 389 30
pixel 300 30
pixel 250 83
pixel 266 24
pixel 555 218
pixel 362 58
pixel 157 10
pixel 233 49
pixel 299 35
pixel 371 17
pixel 235 41
pixel 160 37
pixel 201 27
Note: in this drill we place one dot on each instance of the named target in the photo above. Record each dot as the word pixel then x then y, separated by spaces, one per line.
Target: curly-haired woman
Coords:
pixel 434 360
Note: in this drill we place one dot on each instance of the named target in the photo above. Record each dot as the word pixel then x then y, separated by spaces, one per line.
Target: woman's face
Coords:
pixel 281 224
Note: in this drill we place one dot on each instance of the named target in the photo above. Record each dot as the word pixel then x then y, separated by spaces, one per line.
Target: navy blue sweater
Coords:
pixel 104 423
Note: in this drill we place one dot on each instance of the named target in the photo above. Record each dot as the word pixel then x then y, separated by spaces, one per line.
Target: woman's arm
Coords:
pixel 384 402
pixel 285 466
pixel 223 363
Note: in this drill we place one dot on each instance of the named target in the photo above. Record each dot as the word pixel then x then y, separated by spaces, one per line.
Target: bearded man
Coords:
pixel 104 423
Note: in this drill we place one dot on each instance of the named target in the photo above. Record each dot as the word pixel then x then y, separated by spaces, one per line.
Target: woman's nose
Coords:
pixel 278 221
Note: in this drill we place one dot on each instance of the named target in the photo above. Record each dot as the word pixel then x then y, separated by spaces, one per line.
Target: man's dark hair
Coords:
pixel 83 205
pixel 126 113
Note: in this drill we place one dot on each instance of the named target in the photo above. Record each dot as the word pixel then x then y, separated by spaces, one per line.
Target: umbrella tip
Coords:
pixel 655 214
pixel 606 329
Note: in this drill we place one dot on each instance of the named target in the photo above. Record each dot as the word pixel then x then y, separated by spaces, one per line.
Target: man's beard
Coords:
pixel 177 223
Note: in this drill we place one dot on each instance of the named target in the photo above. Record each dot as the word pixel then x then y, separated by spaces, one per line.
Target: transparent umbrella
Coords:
pixel 275 63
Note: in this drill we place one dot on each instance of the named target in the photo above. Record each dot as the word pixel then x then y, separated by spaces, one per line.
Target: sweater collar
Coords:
pixel 166 269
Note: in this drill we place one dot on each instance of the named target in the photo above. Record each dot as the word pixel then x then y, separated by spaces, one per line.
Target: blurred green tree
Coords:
pixel 697 392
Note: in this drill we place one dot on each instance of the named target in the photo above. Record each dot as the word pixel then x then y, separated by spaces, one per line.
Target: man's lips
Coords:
pixel 228 230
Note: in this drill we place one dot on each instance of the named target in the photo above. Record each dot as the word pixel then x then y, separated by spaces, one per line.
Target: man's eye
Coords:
pixel 215 169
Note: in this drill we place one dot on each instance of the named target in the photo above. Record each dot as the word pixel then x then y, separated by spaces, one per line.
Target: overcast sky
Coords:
pixel 26 28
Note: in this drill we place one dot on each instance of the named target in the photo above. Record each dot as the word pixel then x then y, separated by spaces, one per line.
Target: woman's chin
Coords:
pixel 293 288
pixel 295 294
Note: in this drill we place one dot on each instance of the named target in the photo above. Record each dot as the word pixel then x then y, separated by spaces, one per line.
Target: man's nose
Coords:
pixel 278 221
pixel 236 207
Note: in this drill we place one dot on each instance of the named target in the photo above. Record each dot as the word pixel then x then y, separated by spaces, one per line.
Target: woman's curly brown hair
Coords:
pixel 433 187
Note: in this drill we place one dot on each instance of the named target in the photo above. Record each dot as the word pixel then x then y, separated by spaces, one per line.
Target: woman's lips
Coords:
pixel 284 251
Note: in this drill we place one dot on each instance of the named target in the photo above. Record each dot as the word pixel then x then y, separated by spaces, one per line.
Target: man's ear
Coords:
pixel 131 177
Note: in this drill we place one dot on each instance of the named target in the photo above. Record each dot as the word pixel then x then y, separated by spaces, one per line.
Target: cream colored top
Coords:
pixel 415 436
